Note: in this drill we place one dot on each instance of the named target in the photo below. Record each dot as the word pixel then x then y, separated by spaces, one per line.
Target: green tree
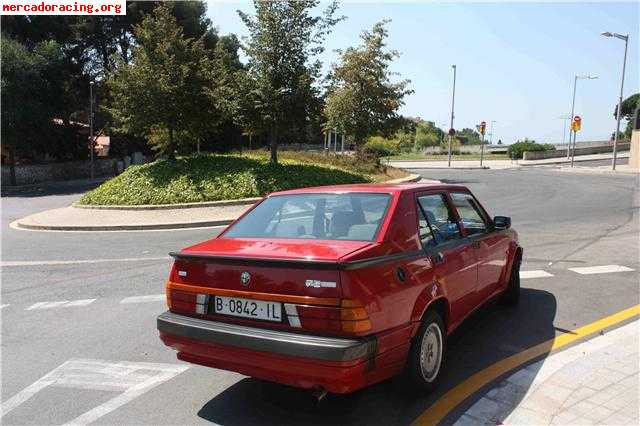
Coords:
pixel 362 100
pixel 28 106
pixel 627 110
pixel 167 92
pixel 427 134
pixel 284 39
pixel 469 136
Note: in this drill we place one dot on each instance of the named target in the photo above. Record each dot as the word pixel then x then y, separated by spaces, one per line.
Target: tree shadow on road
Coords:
pixel 488 336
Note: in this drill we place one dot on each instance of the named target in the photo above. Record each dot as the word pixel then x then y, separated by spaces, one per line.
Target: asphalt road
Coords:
pixel 100 350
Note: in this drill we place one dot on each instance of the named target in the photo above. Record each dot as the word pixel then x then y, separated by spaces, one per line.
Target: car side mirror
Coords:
pixel 502 222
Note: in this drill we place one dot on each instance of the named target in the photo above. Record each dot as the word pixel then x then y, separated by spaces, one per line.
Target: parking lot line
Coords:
pixel 454 397
pixel 536 273
pixel 60 304
pixel 143 299
pixel 604 269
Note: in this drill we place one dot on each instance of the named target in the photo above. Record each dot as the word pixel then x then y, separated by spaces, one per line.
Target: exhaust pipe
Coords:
pixel 319 393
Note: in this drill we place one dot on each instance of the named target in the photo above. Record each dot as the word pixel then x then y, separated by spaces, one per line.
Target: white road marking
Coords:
pixel 537 273
pixel 143 299
pixel 132 379
pixel 4 306
pixel 60 304
pixel 73 262
pixel 604 269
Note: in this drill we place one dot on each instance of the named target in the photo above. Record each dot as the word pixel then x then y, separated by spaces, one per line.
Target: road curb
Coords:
pixel 21 224
pixel 140 227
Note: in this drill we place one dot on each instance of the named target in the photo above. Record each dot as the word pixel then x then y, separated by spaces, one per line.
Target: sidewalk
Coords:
pixel 496 164
pixel 594 382
pixel 142 218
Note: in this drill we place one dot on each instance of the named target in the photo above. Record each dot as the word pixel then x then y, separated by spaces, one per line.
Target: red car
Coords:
pixel 336 288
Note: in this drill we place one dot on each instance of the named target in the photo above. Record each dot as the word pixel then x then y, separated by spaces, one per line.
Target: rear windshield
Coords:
pixel 354 216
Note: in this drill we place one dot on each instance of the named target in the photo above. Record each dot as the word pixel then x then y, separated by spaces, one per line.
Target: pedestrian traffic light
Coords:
pixel 483 127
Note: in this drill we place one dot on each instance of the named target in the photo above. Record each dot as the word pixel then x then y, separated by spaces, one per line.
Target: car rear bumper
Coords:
pixel 336 364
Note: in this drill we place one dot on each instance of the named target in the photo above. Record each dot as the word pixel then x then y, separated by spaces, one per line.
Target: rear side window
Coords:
pixel 353 216
pixel 470 213
pixel 435 211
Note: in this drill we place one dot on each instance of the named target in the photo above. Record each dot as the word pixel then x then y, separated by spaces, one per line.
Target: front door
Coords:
pixel 454 258
pixel 491 247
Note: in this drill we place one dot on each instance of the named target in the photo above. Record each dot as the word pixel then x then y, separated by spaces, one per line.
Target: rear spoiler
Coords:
pixel 257 261
pixel 296 263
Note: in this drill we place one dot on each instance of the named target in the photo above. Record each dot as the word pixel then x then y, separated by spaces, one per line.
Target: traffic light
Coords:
pixel 576 124
pixel 483 127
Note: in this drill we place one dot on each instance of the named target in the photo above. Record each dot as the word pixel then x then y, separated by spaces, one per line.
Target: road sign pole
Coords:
pixel 573 149
pixel 573 105
pixel 481 149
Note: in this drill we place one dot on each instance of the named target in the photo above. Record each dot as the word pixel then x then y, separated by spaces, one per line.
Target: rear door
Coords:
pixel 491 247
pixel 454 258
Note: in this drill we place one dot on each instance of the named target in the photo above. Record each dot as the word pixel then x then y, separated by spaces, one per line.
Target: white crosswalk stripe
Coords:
pixel 4 306
pixel 536 273
pixel 144 299
pixel 60 304
pixel 603 269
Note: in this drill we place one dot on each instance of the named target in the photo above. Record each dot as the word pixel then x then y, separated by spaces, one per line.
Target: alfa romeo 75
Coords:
pixel 336 288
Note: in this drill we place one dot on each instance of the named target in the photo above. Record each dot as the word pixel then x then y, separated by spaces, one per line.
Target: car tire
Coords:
pixel 511 295
pixel 426 356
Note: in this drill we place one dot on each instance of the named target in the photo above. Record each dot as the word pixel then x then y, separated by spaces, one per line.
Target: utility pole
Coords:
pixel 91 141
pixel 619 112
pixel 453 101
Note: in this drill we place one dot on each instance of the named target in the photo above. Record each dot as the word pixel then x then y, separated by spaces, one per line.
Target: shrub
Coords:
pixel 381 147
pixel 516 150
pixel 214 177
pixel 404 141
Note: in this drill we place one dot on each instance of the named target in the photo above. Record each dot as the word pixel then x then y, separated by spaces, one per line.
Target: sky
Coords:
pixel 515 61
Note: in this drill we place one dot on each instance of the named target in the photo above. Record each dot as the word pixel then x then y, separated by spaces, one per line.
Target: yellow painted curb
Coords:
pixel 450 400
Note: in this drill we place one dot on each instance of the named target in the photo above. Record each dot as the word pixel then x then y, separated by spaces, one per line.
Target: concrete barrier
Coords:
pixel 559 153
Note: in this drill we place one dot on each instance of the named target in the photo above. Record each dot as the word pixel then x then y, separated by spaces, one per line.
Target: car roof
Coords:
pixel 394 188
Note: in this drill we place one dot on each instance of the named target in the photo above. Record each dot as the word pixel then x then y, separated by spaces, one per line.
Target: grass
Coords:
pixel 231 176
pixel 458 157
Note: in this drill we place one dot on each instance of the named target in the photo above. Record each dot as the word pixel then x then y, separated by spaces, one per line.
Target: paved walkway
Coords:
pixel 595 382
pixel 497 164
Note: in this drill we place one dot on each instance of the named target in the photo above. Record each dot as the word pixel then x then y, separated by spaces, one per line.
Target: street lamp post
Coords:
pixel 453 101
pixel 573 108
pixel 618 112
pixel 491 132
pixel 91 146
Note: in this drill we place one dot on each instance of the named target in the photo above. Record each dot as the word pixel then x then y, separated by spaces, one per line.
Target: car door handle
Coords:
pixel 437 257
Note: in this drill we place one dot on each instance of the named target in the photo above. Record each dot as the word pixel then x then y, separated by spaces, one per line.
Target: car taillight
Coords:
pixel 354 316
pixel 350 316
pixel 167 292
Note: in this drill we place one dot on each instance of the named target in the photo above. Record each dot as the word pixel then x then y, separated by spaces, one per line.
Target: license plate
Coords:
pixel 248 308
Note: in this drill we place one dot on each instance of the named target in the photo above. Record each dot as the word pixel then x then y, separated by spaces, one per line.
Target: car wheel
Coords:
pixel 426 356
pixel 511 295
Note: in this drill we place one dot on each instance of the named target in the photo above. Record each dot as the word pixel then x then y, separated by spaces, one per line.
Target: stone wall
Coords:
pixel 53 172
pixel 559 153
